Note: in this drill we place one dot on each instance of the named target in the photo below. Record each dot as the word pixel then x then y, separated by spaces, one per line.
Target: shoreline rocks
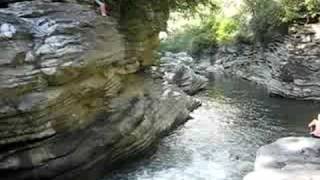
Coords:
pixel 178 69
pixel 288 66
pixel 291 158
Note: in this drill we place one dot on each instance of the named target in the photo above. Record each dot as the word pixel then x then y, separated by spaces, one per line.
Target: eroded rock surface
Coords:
pixel 47 60
pixel 289 66
pixel 178 69
pixel 73 97
pixel 292 158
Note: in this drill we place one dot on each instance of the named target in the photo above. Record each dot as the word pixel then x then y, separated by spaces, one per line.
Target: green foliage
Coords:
pixel 298 9
pixel 312 5
pixel 214 29
pixel 191 6
pixel 292 9
pixel 257 20
pixel 226 30
pixel 204 39
pixel 179 42
pixel 266 15
pixel 192 39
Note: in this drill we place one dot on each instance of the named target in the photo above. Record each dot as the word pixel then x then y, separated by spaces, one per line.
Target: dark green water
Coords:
pixel 220 143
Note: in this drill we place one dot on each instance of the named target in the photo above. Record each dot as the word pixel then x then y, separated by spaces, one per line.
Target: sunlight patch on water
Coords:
pixel 220 142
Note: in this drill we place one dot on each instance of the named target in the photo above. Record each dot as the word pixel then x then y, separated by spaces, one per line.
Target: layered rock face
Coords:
pixel 178 69
pixel 289 66
pixel 73 96
pixel 292 158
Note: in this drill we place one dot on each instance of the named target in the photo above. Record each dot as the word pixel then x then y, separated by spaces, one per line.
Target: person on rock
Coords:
pixel 104 9
pixel 314 127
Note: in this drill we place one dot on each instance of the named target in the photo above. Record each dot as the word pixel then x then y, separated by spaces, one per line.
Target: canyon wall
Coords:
pixel 289 66
pixel 76 95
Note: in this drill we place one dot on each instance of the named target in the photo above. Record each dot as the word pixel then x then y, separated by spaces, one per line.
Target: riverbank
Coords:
pixel 285 62
pixel 236 118
pixel 287 67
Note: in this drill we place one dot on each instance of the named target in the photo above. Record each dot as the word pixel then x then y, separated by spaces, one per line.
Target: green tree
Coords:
pixel 191 6
pixel 300 9
pixel 226 29
pixel 266 15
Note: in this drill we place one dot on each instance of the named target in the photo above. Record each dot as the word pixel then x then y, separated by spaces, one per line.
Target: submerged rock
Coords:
pixel 292 158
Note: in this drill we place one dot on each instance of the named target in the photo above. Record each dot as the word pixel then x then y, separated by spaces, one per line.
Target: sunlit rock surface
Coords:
pixel 292 158
pixel 74 98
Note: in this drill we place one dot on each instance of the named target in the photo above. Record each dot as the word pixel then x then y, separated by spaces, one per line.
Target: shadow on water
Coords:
pixel 237 117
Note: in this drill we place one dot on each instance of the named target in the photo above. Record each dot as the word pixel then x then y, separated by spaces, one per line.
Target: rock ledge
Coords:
pixel 291 158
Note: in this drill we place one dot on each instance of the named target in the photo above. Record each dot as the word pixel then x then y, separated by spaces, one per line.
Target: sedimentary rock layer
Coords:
pixel 74 98
pixel 288 66
pixel 178 69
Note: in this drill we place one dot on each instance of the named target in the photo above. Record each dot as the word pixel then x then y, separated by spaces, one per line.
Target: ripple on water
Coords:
pixel 221 140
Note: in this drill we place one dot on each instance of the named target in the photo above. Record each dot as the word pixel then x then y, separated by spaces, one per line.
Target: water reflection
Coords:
pixel 220 143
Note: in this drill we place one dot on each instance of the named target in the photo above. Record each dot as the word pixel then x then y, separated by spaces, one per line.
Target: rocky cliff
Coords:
pixel 288 67
pixel 74 94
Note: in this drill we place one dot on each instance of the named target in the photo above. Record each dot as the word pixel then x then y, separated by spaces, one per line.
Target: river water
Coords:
pixel 220 142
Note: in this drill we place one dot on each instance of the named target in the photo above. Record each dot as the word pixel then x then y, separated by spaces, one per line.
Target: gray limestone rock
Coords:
pixel 292 158
pixel 73 101
pixel 288 67
pixel 179 70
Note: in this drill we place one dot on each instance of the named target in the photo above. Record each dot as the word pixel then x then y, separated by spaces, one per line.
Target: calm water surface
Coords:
pixel 220 143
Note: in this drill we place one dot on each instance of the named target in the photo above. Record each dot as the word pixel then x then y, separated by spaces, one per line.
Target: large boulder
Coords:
pixel 292 158
pixel 178 69
pixel 73 98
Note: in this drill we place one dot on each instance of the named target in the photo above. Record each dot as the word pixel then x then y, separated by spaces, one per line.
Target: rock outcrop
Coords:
pixel 178 69
pixel 292 158
pixel 288 67
pixel 74 98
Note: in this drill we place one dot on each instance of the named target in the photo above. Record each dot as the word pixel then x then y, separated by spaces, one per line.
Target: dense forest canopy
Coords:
pixel 228 21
